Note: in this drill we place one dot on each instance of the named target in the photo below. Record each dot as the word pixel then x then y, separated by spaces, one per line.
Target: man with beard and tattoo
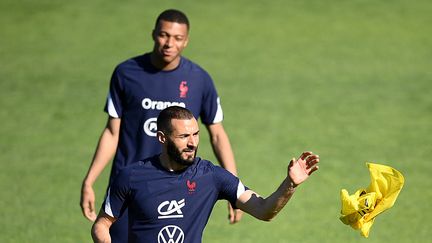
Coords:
pixel 170 196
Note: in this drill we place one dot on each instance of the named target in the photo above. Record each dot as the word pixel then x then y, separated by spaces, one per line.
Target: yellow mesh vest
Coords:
pixel 360 209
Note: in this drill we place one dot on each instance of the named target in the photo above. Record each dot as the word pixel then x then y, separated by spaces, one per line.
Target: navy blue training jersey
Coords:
pixel 139 91
pixel 169 206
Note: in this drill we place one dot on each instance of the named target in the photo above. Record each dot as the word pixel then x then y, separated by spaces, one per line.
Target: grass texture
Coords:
pixel 349 80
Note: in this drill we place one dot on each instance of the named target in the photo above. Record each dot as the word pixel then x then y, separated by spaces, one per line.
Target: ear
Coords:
pixel 153 34
pixel 186 41
pixel 161 137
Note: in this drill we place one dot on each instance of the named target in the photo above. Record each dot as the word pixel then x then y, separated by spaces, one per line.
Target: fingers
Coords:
pixel 92 212
pixel 234 215
pixel 237 216
pixel 291 163
pixel 91 215
pixel 299 170
pixel 305 154
pixel 313 169
pixel 88 202
pixel 311 161
pixel 310 158
pixel 231 214
pixel 89 210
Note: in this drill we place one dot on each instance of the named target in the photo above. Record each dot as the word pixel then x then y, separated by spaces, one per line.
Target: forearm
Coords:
pixel 223 150
pixel 266 208
pixel 278 199
pixel 104 153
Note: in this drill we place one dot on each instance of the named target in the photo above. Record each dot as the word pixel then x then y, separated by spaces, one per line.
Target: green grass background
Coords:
pixel 349 80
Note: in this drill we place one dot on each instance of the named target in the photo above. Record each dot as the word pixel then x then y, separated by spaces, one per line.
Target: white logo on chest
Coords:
pixel 150 127
pixel 171 234
pixel 171 209
pixel 149 104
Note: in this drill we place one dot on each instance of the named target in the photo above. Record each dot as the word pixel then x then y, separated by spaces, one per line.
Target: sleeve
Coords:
pixel 230 187
pixel 116 199
pixel 113 105
pixel 211 110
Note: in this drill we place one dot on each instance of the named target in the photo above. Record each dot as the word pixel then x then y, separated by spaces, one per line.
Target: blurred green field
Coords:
pixel 349 80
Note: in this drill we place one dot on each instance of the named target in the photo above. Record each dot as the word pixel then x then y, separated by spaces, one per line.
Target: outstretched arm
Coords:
pixel 267 208
pixel 224 154
pixel 104 153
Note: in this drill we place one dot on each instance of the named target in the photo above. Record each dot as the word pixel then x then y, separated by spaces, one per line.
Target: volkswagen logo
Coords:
pixel 171 234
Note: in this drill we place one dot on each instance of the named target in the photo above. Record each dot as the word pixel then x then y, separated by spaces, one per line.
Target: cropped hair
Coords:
pixel 170 113
pixel 173 15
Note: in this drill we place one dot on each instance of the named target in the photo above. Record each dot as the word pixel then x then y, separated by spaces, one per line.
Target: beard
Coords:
pixel 176 155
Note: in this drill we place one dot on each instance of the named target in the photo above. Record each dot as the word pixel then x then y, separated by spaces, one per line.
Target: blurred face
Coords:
pixel 170 38
pixel 182 143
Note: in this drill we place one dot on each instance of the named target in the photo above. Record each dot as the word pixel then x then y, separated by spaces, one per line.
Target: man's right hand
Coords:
pixel 88 202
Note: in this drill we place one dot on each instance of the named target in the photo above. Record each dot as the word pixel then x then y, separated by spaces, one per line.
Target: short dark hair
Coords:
pixel 173 15
pixel 172 112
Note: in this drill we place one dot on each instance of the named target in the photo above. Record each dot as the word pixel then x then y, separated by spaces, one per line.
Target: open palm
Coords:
pixel 299 170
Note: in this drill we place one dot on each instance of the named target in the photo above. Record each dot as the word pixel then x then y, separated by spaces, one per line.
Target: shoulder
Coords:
pixel 133 62
pixel 190 66
pixel 126 171
pixel 136 167
pixel 205 166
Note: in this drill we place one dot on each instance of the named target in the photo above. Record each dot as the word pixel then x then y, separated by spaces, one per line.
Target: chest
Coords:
pixel 173 200
pixel 158 91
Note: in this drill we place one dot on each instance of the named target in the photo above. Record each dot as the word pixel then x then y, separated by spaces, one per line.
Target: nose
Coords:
pixel 169 42
pixel 193 141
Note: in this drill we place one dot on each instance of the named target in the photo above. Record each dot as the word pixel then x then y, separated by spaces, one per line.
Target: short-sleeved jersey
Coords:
pixel 138 92
pixel 169 206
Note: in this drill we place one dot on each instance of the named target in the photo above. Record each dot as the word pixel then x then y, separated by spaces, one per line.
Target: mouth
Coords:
pixel 167 53
pixel 189 152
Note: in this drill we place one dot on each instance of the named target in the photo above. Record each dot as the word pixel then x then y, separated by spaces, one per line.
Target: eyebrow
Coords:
pixel 168 34
pixel 187 134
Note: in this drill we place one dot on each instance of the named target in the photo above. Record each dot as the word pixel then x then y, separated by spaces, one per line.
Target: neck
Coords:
pixel 161 64
pixel 170 164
